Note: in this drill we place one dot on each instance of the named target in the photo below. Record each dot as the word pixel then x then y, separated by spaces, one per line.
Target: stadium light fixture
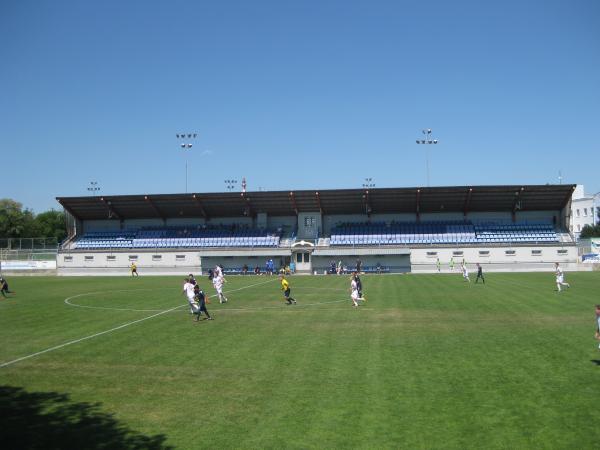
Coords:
pixel 369 183
pixel 230 184
pixel 428 140
pixel 93 187
pixel 186 145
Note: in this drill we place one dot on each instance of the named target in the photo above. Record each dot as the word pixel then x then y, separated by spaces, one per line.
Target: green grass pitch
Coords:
pixel 427 362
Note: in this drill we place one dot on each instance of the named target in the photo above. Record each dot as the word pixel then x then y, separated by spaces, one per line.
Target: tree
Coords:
pixel 15 222
pixel 590 231
pixel 50 224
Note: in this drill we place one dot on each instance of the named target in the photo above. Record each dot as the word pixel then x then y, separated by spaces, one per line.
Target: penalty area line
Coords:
pixel 57 347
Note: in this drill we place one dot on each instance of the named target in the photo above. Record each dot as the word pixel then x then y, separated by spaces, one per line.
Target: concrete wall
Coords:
pixel 495 258
pixel 120 262
pixel 129 224
pixel 309 230
pixel 101 225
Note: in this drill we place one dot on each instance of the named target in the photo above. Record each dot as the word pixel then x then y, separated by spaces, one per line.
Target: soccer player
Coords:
pixel 438 265
pixel 218 281
pixel 4 288
pixel 134 271
pixel 200 302
pixel 560 278
pixel 451 264
pixel 479 274
pixel 218 272
pixel 188 291
pixel 597 334
pixel 359 286
pixel 192 279
pixel 285 287
pixel 465 272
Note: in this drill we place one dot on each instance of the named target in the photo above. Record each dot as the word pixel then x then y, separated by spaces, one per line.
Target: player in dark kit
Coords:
pixel 200 299
pixel 4 287
pixel 358 284
pixel 479 274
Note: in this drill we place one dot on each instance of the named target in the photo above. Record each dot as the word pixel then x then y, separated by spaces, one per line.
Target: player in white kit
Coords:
pixel 560 278
pixel 218 280
pixel 188 291
pixel 465 272
pixel 354 294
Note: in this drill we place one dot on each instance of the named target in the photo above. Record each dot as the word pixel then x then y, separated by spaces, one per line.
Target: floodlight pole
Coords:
pixel 427 140
pixel 94 188
pixel 186 144
pixel 369 183
pixel 230 184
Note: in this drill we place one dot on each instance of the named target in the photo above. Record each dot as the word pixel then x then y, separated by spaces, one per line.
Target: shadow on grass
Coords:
pixel 50 420
pixel 596 361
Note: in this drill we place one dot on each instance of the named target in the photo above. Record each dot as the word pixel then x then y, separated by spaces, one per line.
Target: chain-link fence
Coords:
pixel 28 249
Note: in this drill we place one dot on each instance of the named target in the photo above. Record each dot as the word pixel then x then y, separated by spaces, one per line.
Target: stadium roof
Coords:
pixel 332 201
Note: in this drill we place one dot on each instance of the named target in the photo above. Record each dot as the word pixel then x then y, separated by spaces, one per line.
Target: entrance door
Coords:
pixel 303 263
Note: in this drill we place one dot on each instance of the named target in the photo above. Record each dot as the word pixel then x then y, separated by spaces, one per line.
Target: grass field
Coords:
pixel 428 362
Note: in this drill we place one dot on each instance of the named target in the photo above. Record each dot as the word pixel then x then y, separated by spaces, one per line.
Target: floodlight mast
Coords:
pixel 427 141
pixel 369 183
pixel 230 184
pixel 186 144
pixel 93 187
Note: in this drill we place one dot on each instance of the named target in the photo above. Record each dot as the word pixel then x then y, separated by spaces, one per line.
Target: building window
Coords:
pixel 484 253
pixel 156 257
pixel 88 258
pixel 179 257
pixel 578 213
pixel 510 252
pixel 309 221
pixel 133 257
pixel 578 227
pixel 68 259
pixel 431 254
pixel 457 253
pixel 561 252
pixel 536 253
pixel 111 258
pixel 584 212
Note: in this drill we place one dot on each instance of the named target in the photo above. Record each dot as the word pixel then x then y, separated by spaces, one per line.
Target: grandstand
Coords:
pixel 391 229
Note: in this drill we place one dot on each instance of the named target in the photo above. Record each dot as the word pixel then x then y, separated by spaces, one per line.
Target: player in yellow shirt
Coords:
pixel 133 268
pixel 285 287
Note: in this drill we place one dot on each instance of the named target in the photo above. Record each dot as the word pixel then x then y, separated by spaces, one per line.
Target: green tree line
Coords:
pixel 16 222
pixel 590 231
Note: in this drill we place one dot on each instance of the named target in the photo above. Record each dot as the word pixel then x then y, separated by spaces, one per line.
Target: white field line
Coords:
pixel 68 300
pixel 8 363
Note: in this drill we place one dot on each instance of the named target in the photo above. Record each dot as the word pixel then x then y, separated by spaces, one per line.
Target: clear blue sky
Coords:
pixel 295 94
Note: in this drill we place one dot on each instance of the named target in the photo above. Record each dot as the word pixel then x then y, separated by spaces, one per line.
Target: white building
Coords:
pixel 584 210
